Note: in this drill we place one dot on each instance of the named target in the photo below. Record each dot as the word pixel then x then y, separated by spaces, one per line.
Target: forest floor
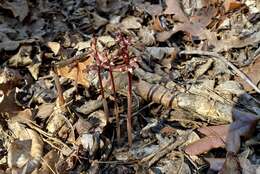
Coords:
pixel 140 86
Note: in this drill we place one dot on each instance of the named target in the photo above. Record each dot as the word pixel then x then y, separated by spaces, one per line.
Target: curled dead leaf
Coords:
pixel 24 154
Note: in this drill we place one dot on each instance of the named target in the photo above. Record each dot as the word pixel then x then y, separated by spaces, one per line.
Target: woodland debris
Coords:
pixel 237 71
pixel 173 71
pixel 209 110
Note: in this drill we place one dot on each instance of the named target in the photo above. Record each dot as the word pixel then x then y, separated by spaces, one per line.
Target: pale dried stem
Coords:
pixel 59 90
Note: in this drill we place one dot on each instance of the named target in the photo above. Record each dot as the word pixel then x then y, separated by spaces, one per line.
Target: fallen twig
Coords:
pixel 59 90
pixel 165 149
pixel 77 58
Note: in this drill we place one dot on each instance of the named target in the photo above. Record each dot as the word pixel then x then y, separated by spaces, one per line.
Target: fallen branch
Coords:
pixel 165 149
pixel 205 108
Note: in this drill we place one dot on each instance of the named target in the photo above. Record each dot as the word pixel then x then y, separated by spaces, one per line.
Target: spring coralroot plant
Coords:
pixel 127 65
pixel 98 59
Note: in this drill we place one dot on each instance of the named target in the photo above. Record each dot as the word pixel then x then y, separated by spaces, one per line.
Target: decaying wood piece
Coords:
pixel 205 108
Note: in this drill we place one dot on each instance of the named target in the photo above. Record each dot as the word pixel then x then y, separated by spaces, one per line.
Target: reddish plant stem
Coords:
pixel 104 101
pixel 97 59
pixel 116 108
pixel 129 109
pixel 125 54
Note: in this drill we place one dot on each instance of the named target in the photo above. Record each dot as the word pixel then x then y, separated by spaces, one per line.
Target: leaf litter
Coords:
pixel 129 87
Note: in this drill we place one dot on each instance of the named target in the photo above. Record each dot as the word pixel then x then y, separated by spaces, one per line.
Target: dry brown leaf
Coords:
pixel 45 110
pixel 230 87
pixel 2 96
pixel 99 21
pixel 234 42
pixel 204 16
pixel 98 119
pixel 76 72
pixel 147 7
pixel 22 58
pixel 204 145
pixel 244 125
pixel 25 114
pixel 9 79
pixel 216 164
pixel 56 122
pixel 193 29
pixel 9 45
pixel 106 39
pixel 34 69
pixel 9 105
pixel 82 126
pixel 147 36
pixel 160 53
pixel 231 5
pixel 48 164
pixel 215 138
pixel 220 130
pixel 174 7
pixel 131 22
pixel 194 26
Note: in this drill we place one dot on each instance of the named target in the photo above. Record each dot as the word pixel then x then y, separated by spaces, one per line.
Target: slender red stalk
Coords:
pixel 116 108
pixel 98 61
pixel 124 43
pixel 104 101
pixel 129 109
